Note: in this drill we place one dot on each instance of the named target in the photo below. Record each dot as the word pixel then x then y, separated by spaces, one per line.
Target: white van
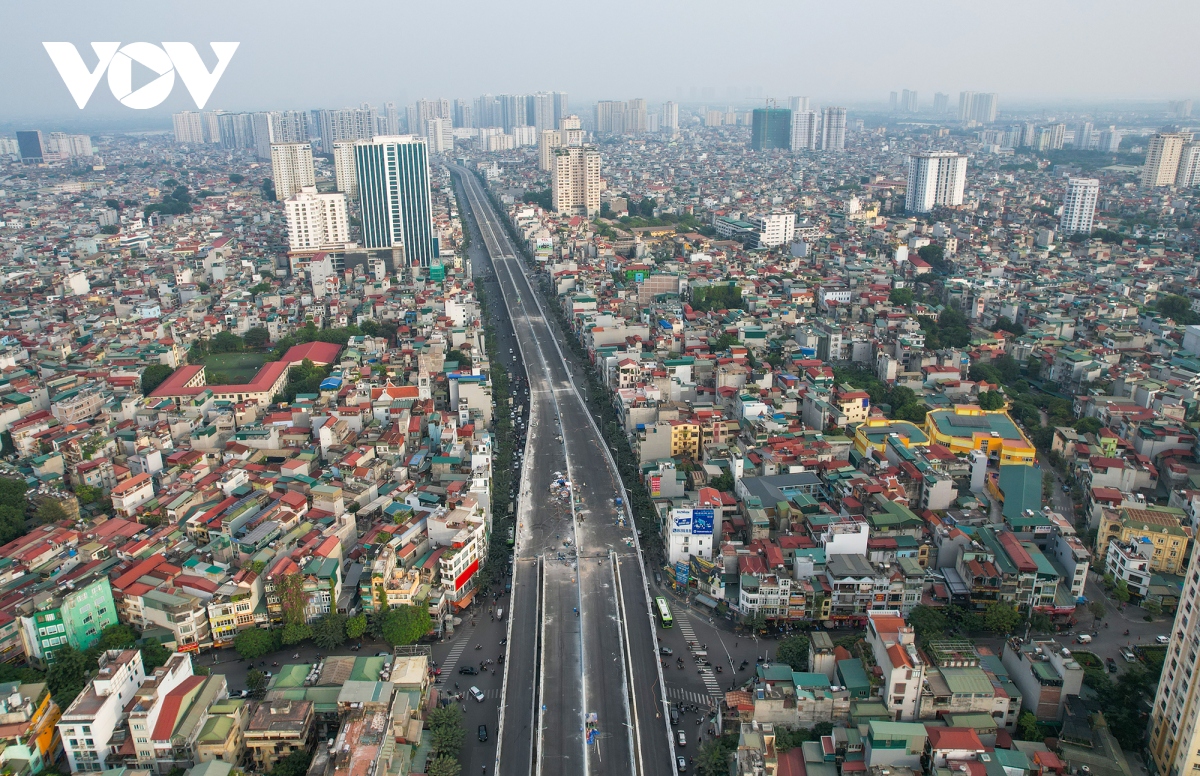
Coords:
pixel 1084 638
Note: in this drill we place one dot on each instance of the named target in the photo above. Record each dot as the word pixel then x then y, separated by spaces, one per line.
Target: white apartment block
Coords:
pixel 89 722
pixel 576 180
pixel 316 221
pixel 833 129
pixel 935 178
pixel 344 171
pixel 774 228
pixel 1175 718
pixel 189 128
pixel 1162 157
pixel 1079 206
pixel 804 129
pixel 1188 173
pixel 291 168
pixel 439 133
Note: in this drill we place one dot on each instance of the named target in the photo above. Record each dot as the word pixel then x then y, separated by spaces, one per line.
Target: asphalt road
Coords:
pixel 608 622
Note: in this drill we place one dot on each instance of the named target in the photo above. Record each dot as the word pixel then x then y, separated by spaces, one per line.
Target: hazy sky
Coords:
pixel 301 54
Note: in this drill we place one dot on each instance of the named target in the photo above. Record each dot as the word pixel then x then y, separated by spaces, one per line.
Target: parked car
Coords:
pixel 482 733
pixel 382 654
pixel 1129 656
pixel 1163 639
pixel 476 693
pixel 674 716
pixel 468 670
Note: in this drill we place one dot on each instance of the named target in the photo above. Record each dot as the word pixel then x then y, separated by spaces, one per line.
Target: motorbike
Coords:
pixel 1127 631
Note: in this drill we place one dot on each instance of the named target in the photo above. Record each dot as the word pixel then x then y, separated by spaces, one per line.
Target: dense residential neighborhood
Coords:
pixel 919 465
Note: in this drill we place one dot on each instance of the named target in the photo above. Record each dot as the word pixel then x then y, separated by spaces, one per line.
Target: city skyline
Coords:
pixel 1034 56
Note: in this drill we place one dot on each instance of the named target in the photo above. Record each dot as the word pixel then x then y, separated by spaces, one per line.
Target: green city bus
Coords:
pixel 664 613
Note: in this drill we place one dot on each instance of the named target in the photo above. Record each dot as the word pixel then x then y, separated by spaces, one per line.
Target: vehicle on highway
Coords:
pixel 468 670
pixel 664 613
pixel 1163 639
pixel 476 693
pixel 680 764
pixel 482 733
pixel 1129 656
pixel 680 738
pixel 666 651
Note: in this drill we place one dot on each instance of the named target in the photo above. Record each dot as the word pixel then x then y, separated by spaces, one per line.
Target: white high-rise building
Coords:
pixel 935 178
pixel 1175 716
pixel 291 168
pixel 188 127
pixel 316 221
pixel 1110 140
pixel 797 104
pixel 1162 157
pixel 539 108
pixel 211 121
pixel 562 107
pixel 669 120
pixel 548 140
pixel 804 130
pixel 833 129
pixel 344 169
pixel 1189 166
pixel 1079 206
pixel 635 116
pixel 1083 136
pixel 439 133
pixel 979 107
pixel 576 180
pixel 774 228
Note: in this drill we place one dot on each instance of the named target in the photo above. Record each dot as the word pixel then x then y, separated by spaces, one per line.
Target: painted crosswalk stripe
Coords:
pixel 706 674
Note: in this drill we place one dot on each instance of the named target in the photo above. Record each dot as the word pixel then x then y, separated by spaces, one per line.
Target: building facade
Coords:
pixel 576 180
pixel 394 194
pixel 1079 206
pixel 935 179
pixel 292 168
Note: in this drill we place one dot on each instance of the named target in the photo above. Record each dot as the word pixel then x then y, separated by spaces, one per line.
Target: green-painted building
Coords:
pixel 73 613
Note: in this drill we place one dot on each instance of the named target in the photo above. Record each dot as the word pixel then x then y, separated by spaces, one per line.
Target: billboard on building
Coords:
pixel 702 522
pixel 681 521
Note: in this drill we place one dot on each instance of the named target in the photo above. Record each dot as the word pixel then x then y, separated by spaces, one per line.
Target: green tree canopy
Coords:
pixel 329 632
pixel 443 765
pixel 50 511
pixel 406 625
pixel 295 632
pixel 356 626
pixel 794 651
pixel 68 675
pixel 927 621
pixel 991 400
pixel 256 681
pixel 226 342
pixel 258 337
pixel 1001 618
pixel 154 654
pixel 153 376
pixel 902 297
pixel 253 643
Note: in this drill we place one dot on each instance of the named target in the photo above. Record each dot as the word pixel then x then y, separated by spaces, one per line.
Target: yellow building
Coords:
pixel 685 439
pixel 874 433
pixel 966 427
pixel 1160 527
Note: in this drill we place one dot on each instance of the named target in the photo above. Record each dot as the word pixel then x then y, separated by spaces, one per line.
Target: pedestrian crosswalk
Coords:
pixel 706 672
pixel 687 696
pixel 451 659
